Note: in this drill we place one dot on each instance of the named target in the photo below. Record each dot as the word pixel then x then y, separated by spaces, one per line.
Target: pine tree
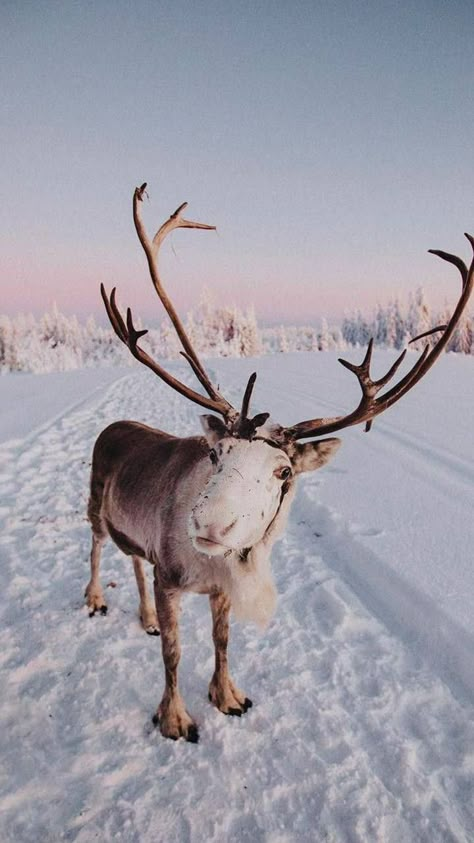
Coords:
pixel 418 319
pixel 8 357
pixel 323 336
pixel 349 329
pixel 391 326
pixel 250 345
pixel 400 325
pixel 380 327
pixel 282 340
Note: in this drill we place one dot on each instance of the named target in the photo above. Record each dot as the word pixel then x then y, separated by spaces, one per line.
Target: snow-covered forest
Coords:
pixel 56 342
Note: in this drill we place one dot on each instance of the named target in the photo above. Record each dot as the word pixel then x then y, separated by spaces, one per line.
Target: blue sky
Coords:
pixel 331 144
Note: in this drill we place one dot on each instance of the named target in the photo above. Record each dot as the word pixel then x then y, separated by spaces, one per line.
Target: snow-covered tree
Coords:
pixel 282 340
pixel 8 345
pixel 58 342
pixel 349 329
pixel 390 328
pixel 323 336
pixel 249 338
pixel 381 327
pixel 418 318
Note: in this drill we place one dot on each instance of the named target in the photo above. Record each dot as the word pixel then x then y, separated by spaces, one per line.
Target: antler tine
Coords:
pixel 245 427
pixel 151 250
pixel 406 381
pixel 362 371
pixel 117 314
pixel 129 335
pixel 133 334
pixel 370 406
pixel 428 333
pixel 470 238
pixel 177 221
pixel 388 377
pixel 369 387
pixel 363 368
pixel 247 396
pixel 446 256
pixel 113 313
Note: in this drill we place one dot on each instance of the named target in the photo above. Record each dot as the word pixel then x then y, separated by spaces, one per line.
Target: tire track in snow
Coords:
pixel 406 611
pixel 352 737
pixel 427 462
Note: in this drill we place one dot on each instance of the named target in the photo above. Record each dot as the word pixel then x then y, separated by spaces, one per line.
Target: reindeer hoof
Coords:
pixel 193 734
pixel 228 699
pixel 101 609
pixel 190 734
pixel 237 712
pixel 149 623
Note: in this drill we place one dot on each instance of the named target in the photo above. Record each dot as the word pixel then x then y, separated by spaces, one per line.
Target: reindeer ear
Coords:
pixel 314 455
pixel 214 429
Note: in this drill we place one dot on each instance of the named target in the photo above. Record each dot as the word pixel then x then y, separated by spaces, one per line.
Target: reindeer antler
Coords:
pixel 370 406
pixel 130 336
pixel 244 426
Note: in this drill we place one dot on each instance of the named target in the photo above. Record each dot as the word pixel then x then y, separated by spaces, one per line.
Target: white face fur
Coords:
pixel 244 492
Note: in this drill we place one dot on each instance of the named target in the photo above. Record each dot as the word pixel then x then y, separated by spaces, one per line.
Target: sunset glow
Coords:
pixel 330 146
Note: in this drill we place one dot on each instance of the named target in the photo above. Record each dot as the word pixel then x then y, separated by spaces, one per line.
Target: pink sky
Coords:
pixel 332 146
pixel 281 288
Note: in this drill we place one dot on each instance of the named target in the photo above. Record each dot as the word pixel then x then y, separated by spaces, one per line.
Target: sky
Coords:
pixel 330 143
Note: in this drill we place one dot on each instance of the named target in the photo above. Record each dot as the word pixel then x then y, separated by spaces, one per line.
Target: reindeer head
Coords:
pixel 251 475
pixel 253 463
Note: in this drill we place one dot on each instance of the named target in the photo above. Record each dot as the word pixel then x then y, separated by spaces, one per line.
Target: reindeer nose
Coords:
pixel 229 527
pixel 214 532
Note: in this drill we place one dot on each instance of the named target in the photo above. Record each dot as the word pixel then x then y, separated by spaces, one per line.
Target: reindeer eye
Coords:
pixel 285 473
pixel 213 456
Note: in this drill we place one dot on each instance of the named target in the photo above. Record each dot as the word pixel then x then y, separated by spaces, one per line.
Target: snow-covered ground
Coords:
pixel 363 685
pixel 29 401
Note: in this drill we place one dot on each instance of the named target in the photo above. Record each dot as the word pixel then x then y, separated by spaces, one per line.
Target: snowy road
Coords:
pixel 362 726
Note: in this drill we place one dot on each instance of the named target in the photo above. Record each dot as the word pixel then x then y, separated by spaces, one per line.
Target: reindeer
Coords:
pixel 206 510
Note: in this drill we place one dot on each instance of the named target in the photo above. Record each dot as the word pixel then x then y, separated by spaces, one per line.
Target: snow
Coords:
pixel 363 689
pixel 29 401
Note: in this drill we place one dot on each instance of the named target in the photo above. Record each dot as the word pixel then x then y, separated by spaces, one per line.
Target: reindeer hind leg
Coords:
pixel 94 595
pixel 147 608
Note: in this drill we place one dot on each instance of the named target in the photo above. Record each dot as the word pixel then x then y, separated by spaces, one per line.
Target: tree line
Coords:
pixel 56 342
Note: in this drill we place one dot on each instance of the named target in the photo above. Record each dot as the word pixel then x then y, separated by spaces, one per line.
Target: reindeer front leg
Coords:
pixel 172 717
pixel 222 691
